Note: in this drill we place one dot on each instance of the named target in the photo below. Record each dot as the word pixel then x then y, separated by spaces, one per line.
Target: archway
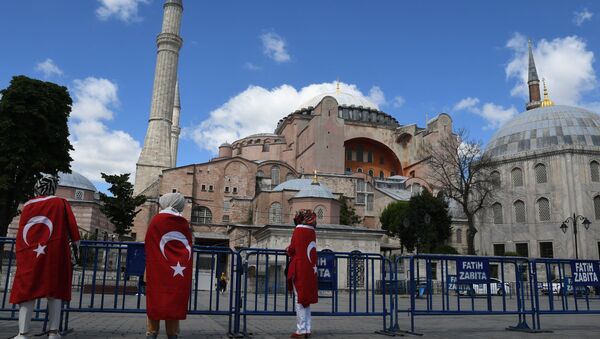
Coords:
pixel 371 156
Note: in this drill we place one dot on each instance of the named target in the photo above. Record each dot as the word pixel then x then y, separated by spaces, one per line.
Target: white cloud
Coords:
pixel 98 148
pixel 275 47
pixel 580 17
pixel 257 110
pixel 124 10
pixel 48 68
pixel 377 96
pixel 252 67
pixel 495 115
pixel 565 63
pixel 398 101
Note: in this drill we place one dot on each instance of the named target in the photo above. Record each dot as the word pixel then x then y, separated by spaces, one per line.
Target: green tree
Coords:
pixel 348 214
pixel 422 223
pixel 33 139
pixel 120 208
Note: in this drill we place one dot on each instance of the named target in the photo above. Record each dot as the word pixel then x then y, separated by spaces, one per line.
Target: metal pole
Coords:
pixel 575 232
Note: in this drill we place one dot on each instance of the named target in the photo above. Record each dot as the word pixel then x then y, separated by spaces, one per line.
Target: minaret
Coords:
pixel 533 82
pixel 175 129
pixel 156 153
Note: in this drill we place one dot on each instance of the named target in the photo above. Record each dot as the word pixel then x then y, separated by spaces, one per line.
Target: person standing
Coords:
pixel 302 270
pixel 169 267
pixel 222 282
pixel 44 267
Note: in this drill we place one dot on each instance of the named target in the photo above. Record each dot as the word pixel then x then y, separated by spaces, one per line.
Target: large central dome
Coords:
pixel 546 128
pixel 343 99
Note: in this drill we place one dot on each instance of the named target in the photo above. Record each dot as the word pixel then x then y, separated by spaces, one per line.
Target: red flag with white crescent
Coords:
pixel 168 266
pixel 43 255
pixel 302 272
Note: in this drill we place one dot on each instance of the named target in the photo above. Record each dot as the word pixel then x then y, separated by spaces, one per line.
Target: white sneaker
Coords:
pixel 21 336
pixel 54 336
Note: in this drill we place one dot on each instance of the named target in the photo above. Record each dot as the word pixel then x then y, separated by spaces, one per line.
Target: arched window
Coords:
pixel 371 172
pixel 543 209
pixel 595 169
pixel 519 207
pixel 274 175
pixel 495 177
pixel 359 170
pixel 459 236
pixel 320 211
pixel 497 211
pixel 540 174
pixel 275 213
pixel 597 207
pixel 517 177
pixel 201 215
pixel 260 174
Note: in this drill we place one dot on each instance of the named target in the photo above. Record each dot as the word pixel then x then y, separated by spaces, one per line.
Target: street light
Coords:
pixel 564 226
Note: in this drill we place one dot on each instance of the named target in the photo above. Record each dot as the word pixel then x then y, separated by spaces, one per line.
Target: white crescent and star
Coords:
pixel 39 219
pixel 312 245
pixel 175 236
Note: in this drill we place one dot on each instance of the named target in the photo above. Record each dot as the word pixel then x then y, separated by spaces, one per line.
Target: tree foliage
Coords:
pixel 348 214
pixel 120 208
pixel 459 168
pixel 33 139
pixel 422 223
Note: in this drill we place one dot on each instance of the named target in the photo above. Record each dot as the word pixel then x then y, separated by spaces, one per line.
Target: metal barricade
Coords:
pixel 110 279
pixel 438 285
pixel 351 284
pixel 566 286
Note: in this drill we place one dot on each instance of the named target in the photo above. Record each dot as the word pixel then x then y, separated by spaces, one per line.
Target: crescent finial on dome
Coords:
pixel 546 102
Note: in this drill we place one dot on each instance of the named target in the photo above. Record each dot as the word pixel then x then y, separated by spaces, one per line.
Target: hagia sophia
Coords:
pixel 546 169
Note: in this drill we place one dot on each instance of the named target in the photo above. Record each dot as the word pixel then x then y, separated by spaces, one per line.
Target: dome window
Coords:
pixel 497 211
pixel 540 174
pixel 519 207
pixel 595 169
pixel 78 195
pixel 517 177
pixel 543 209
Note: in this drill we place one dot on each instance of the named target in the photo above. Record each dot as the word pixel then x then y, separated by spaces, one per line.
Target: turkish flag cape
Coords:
pixel 168 266
pixel 302 271
pixel 44 268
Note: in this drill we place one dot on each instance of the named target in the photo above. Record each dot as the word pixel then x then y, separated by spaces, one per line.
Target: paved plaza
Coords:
pixel 86 325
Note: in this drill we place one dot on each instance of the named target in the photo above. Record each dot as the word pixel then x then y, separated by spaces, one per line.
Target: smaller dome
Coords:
pixel 315 191
pixel 225 144
pixel 292 185
pixel 75 180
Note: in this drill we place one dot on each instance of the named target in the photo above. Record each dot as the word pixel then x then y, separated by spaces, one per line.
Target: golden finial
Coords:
pixel 315 179
pixel 337 88
pixel 546 102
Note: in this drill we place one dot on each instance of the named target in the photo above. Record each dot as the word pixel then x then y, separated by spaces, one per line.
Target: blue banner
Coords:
pixel 585 273
pixel 326 271
pixel 472 271
pixel 136 259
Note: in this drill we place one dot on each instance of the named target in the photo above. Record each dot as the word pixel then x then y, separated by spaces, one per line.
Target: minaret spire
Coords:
pixel 533 82
pixel 156 153
pixel 175 129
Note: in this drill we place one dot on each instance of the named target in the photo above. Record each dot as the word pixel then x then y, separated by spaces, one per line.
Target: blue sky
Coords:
pixel 246 64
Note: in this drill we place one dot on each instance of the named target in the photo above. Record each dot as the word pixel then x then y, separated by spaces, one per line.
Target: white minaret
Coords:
pixel 175 129
pixel 156 153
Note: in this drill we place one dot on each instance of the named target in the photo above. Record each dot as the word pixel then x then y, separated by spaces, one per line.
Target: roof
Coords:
pixel 343 99
pixel 315 191
pixel 546 128
pixel 75 180
pixel 292 185
pixel 403 195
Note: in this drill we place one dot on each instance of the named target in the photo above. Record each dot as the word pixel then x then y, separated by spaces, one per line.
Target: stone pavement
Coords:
pixel 86 325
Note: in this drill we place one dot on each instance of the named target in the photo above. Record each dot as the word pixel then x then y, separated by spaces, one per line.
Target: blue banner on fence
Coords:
pixel 326 271
pixel 136 259
pixel 585 273
pixel 472 271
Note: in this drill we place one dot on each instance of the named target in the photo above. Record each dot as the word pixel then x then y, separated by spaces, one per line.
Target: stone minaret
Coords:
pixel 533 82
pixel 175 129
pixel 156 153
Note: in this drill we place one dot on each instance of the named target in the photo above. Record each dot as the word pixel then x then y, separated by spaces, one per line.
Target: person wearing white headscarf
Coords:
pixel 169 266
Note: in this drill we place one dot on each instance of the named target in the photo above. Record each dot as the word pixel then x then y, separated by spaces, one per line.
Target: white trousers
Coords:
pixel 303 319
pixel 26 312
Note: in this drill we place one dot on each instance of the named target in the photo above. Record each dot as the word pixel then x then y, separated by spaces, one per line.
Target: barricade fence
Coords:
pixel 109 278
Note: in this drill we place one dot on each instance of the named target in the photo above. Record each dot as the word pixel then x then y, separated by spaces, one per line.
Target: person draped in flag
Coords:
pixel 44 268
pixel 168 267
pixel 302 270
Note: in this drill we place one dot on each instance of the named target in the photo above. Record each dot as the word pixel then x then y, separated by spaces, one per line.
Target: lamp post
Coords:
pixel 573 219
